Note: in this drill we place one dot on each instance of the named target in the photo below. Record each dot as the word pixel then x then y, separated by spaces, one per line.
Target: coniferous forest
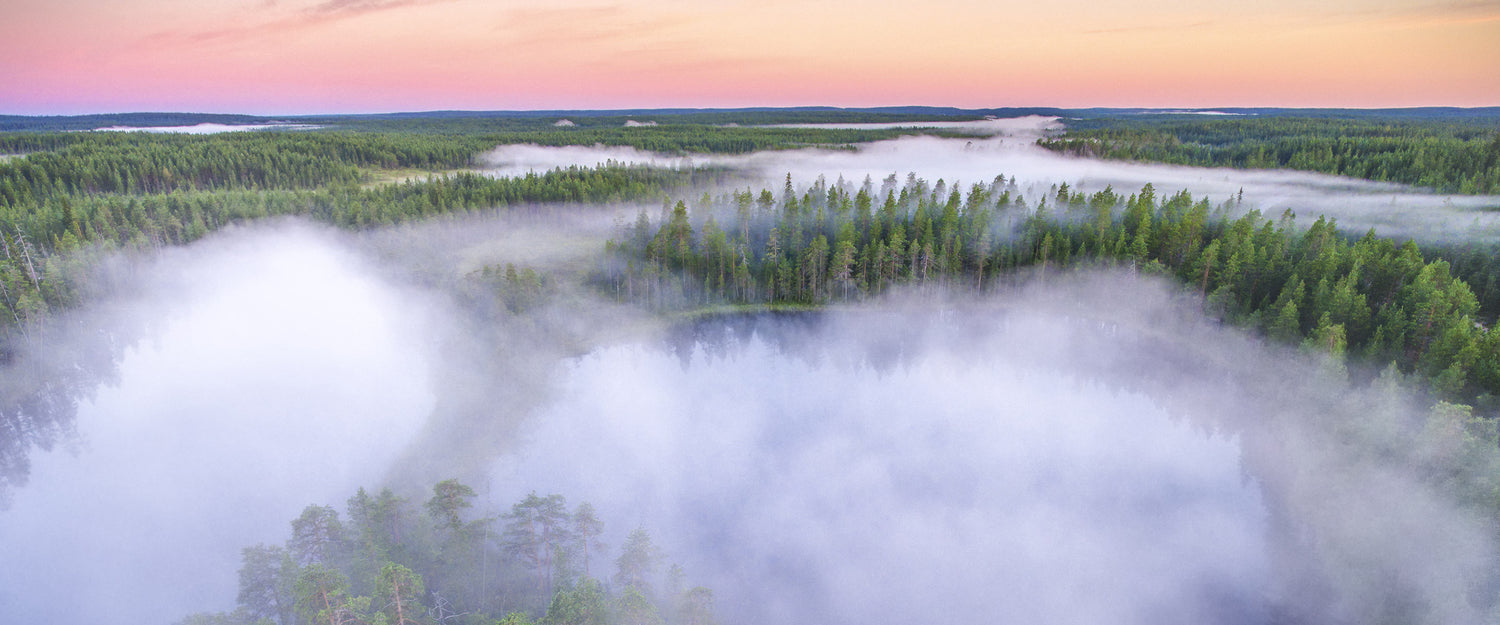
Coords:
pixel 1448 156
pixel 392 560
pixel 693 241
pixel 1378 300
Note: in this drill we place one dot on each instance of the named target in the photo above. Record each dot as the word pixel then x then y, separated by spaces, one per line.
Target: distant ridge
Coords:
pixel 90 122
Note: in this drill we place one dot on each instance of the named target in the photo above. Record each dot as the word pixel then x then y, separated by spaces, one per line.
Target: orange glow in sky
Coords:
pixel 327 56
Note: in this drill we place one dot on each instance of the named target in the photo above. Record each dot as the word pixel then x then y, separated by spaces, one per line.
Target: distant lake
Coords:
pixel 1007 126
pixel 208 129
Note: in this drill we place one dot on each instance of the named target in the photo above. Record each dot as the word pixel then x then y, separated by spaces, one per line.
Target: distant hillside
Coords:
pixel 15 123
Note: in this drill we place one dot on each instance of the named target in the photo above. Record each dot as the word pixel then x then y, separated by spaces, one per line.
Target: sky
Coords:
pixel 271 57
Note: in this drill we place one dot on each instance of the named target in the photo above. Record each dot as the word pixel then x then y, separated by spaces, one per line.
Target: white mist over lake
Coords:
pixel 208 128
pixel 967 481
pixel 1003 467
pixel 1010 149
pixel 982 127
pixel 280 372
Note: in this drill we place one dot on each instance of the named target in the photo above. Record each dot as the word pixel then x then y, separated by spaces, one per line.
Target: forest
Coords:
pixel 39 275
pixel 1377 300
pixel 1449 156
pixel 1376 310
pixel 471 122
pixel 392 562
pixel 137 162
pixel 141 190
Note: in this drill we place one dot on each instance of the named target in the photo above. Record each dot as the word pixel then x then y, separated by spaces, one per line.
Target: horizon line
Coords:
pixel 895 109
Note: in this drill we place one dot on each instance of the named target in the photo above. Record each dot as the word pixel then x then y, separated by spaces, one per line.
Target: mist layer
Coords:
pixel 1080 452
pixel 1010 149
pixel 279 370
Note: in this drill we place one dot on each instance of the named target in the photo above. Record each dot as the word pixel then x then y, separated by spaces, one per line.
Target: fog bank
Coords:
pixel 208 128
pixel 279 370
pixel 1084 450
pixel 1080 452
pixel 1392 209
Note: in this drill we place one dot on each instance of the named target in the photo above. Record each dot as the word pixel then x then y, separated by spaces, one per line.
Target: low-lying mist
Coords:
pixel 1083 448
pixel 806 485
pixel 1082 451
pixel 1010 149
pixel 266 368
pixel 277 368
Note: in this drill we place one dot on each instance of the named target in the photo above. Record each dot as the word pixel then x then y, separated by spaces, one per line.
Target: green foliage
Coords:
pixel 382 528
pixel 515 618
pixel 517 291
pixel 1457 450
pixel 586 528
pixel 267 583
pixel 1367 297
pixel 449 499
pixel 137 163
pixel 535 529
pixel 632 607
pixel 1450 156
pixel 401 567
pixel 317 537
pixel 400 591
pixel 43 262
pixel 140 163
pixel 637 565
pixel 585 604
pixel 51 245
pixel 237 617
pixel 321 595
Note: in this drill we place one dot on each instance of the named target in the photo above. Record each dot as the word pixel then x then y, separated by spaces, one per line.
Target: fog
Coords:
pixel 1081 450
pixel 963 486
pixel 208 128
pixel 279 371
pixel 984 127
pixel 1011 150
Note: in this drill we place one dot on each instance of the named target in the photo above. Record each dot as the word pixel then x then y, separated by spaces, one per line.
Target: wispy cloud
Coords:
pixel 1474 11
pixel 1430 14
pixel 282 20
pixel 1316 18
pixel 361 7
pixel 617 34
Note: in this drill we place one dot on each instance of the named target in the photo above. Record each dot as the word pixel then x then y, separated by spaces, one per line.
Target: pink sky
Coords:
pixel 324 56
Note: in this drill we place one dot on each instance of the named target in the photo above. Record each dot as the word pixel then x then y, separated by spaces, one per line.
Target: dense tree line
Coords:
pixel 64 123
pixel 1479 266
pixel 141 190
pixel 390 562
pixel 111 162
pixel 71 190
pixel 37 275
pixel 1449 156
pixel 1370 297
pixel 115 162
